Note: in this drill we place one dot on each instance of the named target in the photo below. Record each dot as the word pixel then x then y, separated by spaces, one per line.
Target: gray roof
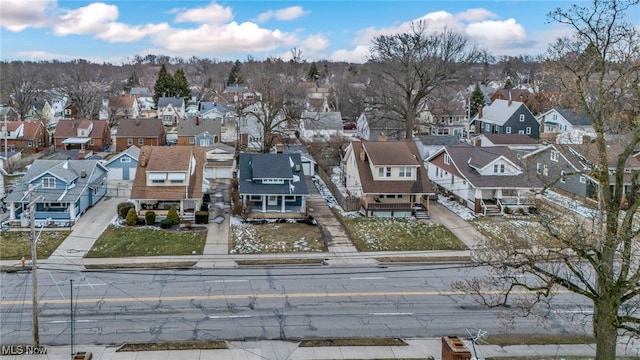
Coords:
pixel 191 127
pixel 254 166
pixel 433 140
pixel 468 158
pixel 313 120
pixel 133 151
pixel 65 170
pixel 210 105
pixel 499 111
pixel 174 101
pixel 141 91
pixel 575 118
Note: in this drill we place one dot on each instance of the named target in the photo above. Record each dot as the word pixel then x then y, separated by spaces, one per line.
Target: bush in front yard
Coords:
pixel 132 217
pixel 165 223
pixel 202 217
pixel 150 217
pixel 123 209
pixel 172 216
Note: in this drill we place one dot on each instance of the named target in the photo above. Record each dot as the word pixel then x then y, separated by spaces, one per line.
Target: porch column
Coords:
pixel 12 211
pixel 72 211
pixel 264 203
pixel 282 207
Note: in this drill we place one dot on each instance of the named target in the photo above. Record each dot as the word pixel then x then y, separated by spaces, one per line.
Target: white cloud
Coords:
pixel 315 43
pixel 42 55
pixel 290 13
pixel 119 32
pixel 359 54
pixel 475 15
pixel 496 31
pixel 17 15
pixel 91 19
pixel 210 14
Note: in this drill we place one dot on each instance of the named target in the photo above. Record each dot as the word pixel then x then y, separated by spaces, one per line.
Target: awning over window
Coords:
pixel 157 176
pixel 177 176
pixel 76 140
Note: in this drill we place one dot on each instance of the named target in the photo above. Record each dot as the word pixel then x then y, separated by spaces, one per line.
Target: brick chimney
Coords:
pixel 382 137
pixel 480 111
pixel 362 154
pixel 510 101
pixel 197 120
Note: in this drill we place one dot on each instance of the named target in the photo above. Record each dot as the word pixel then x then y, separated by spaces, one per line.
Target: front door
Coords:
pixel 272 201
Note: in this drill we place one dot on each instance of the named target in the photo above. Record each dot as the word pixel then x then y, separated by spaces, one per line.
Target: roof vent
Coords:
pixel 83 173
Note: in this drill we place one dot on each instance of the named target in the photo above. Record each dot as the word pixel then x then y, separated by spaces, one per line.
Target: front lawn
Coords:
pixel 16 244
pixel 386 234
pixel 122 241
pixel 275 238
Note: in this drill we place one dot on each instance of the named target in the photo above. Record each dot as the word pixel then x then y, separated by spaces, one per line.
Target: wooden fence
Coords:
pixel 348 203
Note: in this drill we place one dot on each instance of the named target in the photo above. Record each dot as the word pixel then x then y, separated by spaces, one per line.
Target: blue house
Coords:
pixel 272 185
pixel 123 165
pixel 63 191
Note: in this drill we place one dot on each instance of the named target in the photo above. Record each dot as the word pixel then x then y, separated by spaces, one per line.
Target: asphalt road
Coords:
pixel 113 307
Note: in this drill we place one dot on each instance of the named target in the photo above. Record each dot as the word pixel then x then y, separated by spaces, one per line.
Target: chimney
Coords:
pixel 509 98
pixel 362 154
pixel 279 148
pixel 480 112
pixel 197 120
pixel 143 159
pixel 137 122
pixel 382 137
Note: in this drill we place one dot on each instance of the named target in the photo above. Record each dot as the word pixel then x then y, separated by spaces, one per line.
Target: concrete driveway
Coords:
pixel 86 231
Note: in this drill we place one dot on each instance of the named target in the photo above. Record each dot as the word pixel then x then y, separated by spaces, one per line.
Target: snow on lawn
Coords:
pixel 271 237
pixel 464 212
pixel 570 204
pixel 328 196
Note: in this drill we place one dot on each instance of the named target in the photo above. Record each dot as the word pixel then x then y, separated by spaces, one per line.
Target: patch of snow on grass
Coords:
pixel 570 204
pixel 464 212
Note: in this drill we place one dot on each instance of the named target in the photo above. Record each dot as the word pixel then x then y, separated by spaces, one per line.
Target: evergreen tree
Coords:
pixel 132 81
pixel 508 84
pixel 313 75
pixel 181 85
pixel 234 76
pixel 476 101
pixel 164 85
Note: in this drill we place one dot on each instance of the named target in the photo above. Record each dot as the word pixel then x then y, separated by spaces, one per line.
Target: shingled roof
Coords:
pixel 140 128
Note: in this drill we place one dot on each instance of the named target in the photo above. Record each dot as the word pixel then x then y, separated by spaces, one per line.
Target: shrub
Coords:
pixel 520 211
pixel 202 217
pixel 204 207
pixel 150 217
pixel 132 217
pixel 123 209
pixel 172 216
pixel 533 210
pixel 140 221
pixel 507 210
pixel 165 223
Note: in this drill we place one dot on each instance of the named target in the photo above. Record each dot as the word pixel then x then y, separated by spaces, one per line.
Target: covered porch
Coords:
pixel 276 206
pixel 395 205
pixel 47 214
pixel 186 208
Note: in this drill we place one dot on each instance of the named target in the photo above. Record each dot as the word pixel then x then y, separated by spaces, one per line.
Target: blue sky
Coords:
pixel 114 31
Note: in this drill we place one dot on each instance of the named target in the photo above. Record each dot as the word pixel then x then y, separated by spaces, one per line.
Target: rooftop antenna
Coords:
pixel 479 334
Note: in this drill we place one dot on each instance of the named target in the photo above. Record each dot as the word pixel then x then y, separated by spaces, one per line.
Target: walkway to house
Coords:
pixel 439 214
pixel 216 247
pixel 84 234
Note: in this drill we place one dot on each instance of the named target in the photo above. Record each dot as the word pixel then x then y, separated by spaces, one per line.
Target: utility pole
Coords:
pixel 34 268
pixel 72 319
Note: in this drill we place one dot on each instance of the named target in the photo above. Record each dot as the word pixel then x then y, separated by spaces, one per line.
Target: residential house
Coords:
pixel 27 137
pixel 8 113
pixel 520 144
pixel 63 190
pixel 272 185
pixel 251 129
pixel 140 132
pixel 535 102
pixel 71 112
pixel 374 123
pixel 197 132
pixel 569 169
pixel 171 110
pixel 505 117
pixel 428 144
pixel 40 110
pixel 146 105
pixel 309 164
pixel 448 118
pixel 320 125
pixel 124 164
pixel 221 163
pixel 58 100
pixel 484 179
pixel 388 177
pixel 566 126
pixel 169 176
pixel 123 107
pixel 85 135
pixel 141 91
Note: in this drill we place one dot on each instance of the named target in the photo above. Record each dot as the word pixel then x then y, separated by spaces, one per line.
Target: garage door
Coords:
pixel 115 174
pixel 132 174
pixel 223 173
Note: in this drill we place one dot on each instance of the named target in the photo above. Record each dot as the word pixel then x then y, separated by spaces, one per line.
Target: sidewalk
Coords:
pixel 423 348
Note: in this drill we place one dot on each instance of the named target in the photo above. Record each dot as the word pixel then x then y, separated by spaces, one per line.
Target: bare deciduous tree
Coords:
pixel 597 257
pixel 407 67
pixel 21 83
pixel 85 85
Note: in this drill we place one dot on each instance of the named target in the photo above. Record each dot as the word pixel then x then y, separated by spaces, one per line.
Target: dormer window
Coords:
pixel 273 181
pixel 554 155
pixel 384 171
pixel 447 159
pixel 405 172
pixel 521 117
pixel 49 183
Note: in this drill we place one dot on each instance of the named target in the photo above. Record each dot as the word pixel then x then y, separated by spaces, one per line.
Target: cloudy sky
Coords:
pixel 114 31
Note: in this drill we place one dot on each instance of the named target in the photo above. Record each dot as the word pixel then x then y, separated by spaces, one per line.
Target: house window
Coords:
pixel 487 127
pixel 405 171
pixel 30 143
pixel 507 130
pixel 447 159
pixel 125 159
pixel 290 198
pixel 192 140
pixel 498 168
pixel 129 141
pixel 528 130
pixel 452 179
pixel 384 171
pixel 91 142
pixel 545 171
pixel 563 175
pixel 255 197
pixel 555 116
pixel 167 118
pixel 583 179
pixel 49 183
pixel 521 117
pixel 539 168
pixel 521 132
pixel 437 171
pixel 554 155
pixel 140 141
